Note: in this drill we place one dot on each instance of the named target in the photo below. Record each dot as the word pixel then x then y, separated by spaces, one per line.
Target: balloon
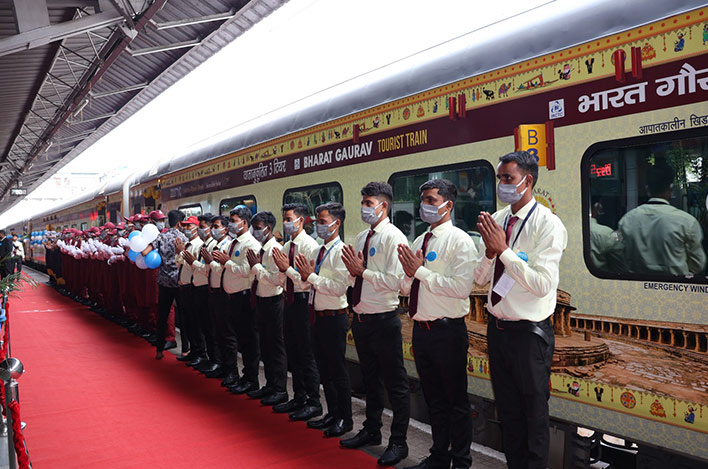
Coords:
pixel 140 262
pixel 153 260
pixel 138 243
pixel 132 255
pixel 150 232
pixel 133 234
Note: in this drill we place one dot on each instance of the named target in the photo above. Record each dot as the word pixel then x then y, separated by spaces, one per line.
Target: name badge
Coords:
pixel 504 285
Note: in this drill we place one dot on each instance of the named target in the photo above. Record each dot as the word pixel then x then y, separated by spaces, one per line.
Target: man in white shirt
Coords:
pixel 523 244
pixel 328 276
pixel 439 278
pixel 186 254
pixel 305 404
pixel 18 253
pixel 269 296
pixel 375 273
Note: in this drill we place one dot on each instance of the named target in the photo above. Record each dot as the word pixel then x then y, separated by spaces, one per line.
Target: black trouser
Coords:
pixel 379 345
pixel 520 366
pixel 270 329
pixel 298 343
pixel 190 317
pixel 329 344
pixel 165 297
pixel 17 263
pixel 218 305
pixel 213 310
pixel 247 335
pixel 226 325
pixel 202 310
pixel 441 361
pixel 181 321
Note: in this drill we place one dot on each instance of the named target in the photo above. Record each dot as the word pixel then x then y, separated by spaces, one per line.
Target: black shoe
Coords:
pixel 206 367
pixel 196 362
pixel 265 391
pixel 321 424
pixel 185 358
pixel 217 372
pixel 170 345
pixel 230 379
pixel 363 438
pixel 291 406
pixel 421 465
pixel 338 429
pixel 306 413
pixel 243 388
pixel 275 398
pixel 394 454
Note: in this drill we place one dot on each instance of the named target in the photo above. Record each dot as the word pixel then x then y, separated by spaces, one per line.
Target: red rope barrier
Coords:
pixel 20 449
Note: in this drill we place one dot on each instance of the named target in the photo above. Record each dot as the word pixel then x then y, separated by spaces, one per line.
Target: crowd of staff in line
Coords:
pixel 238 290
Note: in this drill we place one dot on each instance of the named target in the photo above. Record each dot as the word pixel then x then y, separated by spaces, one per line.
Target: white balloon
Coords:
pixel 138 243
pixel 150 232
pixel 140 261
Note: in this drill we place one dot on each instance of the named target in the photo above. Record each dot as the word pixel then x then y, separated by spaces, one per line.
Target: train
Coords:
pixel 602 94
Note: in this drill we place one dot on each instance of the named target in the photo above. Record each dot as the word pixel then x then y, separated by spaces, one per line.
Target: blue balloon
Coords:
pixel 132 255
pixel 133 234
pixel 153 260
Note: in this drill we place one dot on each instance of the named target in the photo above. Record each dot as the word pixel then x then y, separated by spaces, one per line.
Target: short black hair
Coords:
pixel 244 213
pixel 207 217
pixel 334 208
pixel 446 189
pixel 174 217
pixel 298 209
pixel 659 178
pixel 524 161
pixel 2 232
pixel 379 189
pixel 266 217
pixel 224 221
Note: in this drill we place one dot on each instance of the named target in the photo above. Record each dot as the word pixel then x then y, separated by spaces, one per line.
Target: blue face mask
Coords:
pixel 323 231
pixel 507 192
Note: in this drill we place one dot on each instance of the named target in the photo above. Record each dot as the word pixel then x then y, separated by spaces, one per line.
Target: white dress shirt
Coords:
pixel 186 275
pixel 308 247
pixel 267 271
pixel 330 285
pixel 447 275
pixel 543 239
pixel 383 273
pixel 200 271
pixel 206 269
pixel 237 271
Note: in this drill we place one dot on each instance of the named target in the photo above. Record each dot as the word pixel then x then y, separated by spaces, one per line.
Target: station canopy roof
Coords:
pixel 72 70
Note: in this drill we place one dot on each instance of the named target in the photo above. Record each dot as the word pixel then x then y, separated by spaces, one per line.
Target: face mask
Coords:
pixel 507 192
pixel 188 232
pixel 217 232
pixel 121 233
pixel 323 231
pixel 289 226
pixel 368 214
pixel 234 228
pixel 160 225
pixel 259 234
pixel 429 213
pixel 203 232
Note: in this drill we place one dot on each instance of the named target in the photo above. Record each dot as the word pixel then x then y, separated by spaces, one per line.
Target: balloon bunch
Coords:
pixel 37 237
pixel 139 240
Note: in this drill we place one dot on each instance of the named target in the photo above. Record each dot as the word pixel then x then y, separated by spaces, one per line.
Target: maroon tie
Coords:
pixel 223 267
pixel 312 303
pixel 289 285
pixel 254 285
pixel 359 282
pixel 499 265
pixel 413 303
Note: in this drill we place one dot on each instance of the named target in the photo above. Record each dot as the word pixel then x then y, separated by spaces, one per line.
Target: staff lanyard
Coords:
pixel 317 267
pixel 506 221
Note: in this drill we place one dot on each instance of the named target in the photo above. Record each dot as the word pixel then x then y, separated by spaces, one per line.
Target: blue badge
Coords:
pixel 432 255
pixel 523 256
pixel 372 251
pixel 237 253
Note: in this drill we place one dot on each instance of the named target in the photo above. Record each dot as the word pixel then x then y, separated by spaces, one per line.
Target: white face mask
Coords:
pixel 323 231
pixel 507 192
pixel 289 226
pixel 203 232
pixel 260 235
pixel 216 233
pixel 429 213
pixel 368 214
pixel 234 229
pixel 160 225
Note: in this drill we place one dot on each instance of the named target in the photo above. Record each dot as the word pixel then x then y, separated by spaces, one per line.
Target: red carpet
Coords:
pixel 94 396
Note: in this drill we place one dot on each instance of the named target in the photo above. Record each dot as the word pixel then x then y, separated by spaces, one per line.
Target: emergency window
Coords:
pixel 313 196
pixel 644 203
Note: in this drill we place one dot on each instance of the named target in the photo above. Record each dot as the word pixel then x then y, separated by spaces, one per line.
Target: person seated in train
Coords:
pixel 305 404
pixel 438 279
pixel 374 274
pixel 605 247
pixel 217 300
pixel 658 237
pixel 238 322
pixel 328 278
pixel 269 317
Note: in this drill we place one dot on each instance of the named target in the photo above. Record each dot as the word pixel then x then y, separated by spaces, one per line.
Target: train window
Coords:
pixel 191 210
pixel 84 226
pixel 644 203
pixel 313 196
pixel 475 183
pixel 226 205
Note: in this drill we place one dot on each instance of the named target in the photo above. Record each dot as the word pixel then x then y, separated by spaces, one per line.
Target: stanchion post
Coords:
pixel 10 394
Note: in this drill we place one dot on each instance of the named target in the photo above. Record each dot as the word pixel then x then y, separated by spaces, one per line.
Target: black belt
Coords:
pixel 271 298
pixel 240 293
pixel 330 312
pixel 374 317
pixel 439 323
pixel 523 325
